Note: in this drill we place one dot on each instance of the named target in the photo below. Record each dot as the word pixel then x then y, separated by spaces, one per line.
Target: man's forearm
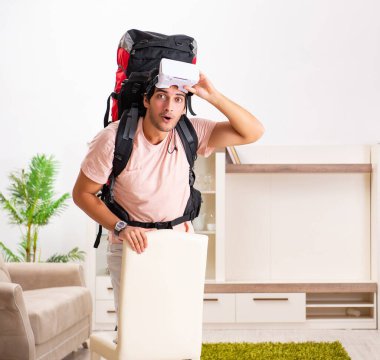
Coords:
pixel 243 122
pixel 96 210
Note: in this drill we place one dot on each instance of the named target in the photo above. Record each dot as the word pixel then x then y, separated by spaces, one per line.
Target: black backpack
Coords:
pixel 139 55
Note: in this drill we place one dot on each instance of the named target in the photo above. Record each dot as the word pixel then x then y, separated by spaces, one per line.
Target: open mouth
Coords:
pixel 166 118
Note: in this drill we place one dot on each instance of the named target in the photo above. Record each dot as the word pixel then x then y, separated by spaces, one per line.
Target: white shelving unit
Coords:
pixel 296 239
pixel 255 306
pixel 210 181
pixel 300 221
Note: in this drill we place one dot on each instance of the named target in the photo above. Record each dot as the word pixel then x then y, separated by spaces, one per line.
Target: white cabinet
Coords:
pixel 104 289
pixel 103 304
pixel 272 307
pixel 105 314
pixel 219 308
pixel 254 308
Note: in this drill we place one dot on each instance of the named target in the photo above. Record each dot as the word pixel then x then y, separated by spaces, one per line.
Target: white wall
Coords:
pixel 307 69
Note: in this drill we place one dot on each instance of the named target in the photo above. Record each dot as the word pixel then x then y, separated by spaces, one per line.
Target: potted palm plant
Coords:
pixel 31 205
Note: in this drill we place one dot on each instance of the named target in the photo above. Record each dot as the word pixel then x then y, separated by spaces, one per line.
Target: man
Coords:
pixel 154 186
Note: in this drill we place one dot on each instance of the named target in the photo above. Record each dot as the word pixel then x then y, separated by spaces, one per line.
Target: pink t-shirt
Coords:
pixel 154 186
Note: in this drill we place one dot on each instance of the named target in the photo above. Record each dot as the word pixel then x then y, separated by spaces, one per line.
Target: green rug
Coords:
pixel 275 351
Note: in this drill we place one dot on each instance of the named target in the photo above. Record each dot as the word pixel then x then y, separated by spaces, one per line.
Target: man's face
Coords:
pixel 165 107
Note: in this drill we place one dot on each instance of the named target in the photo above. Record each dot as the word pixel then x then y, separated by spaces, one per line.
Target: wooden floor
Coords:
pixel 360 344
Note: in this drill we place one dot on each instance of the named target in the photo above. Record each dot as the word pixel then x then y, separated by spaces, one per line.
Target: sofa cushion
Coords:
pixel 4 274
pixel 54 310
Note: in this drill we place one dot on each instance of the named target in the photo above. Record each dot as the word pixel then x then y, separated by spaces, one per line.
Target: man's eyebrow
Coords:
pixel 166 92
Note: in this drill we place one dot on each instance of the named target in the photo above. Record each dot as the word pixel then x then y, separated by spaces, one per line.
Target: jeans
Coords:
pixel 114 257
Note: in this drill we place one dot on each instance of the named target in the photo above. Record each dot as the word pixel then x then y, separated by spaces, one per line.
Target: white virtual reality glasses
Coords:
pixel 177 73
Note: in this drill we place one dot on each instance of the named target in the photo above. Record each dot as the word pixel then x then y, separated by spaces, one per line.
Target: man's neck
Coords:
pixel 151 133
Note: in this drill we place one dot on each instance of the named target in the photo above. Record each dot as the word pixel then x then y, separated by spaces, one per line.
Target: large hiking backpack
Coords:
pixel 142 51
pixel 138 56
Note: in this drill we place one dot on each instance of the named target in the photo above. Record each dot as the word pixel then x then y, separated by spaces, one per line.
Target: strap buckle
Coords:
pixel 163 225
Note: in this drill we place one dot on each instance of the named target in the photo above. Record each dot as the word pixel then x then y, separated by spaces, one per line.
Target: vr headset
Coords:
pixel 176 73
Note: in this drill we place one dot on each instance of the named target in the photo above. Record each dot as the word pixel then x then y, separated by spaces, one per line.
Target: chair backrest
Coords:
pixel 161 297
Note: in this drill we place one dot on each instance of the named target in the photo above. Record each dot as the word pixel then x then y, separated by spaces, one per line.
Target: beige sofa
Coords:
pixel 45 310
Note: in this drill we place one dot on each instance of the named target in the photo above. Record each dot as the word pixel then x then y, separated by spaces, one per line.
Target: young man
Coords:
pixel 154 186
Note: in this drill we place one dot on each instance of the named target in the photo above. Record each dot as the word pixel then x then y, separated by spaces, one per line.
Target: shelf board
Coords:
pixel 342 317
pixel 298 168
pixel 244 287
pixel 205 232
pixel 338 304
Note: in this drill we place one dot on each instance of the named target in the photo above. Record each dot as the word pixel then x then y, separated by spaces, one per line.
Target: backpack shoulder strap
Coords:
pixel 124 139
pixel 189 138
pixel 107 114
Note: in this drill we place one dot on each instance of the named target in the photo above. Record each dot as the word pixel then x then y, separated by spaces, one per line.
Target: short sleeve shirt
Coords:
pixel 154 186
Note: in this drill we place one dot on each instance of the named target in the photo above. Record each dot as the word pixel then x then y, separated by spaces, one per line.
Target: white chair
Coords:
pixel 161 301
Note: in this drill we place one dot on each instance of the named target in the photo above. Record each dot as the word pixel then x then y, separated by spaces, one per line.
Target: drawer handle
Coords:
pixel 110 288
pixel 270 299
pixel 212 299
pixel 111 311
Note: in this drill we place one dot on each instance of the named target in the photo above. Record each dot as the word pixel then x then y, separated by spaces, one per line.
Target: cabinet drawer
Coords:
pixel 274 307
pixel 218 308
pixel 104 290
pixel 105 311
